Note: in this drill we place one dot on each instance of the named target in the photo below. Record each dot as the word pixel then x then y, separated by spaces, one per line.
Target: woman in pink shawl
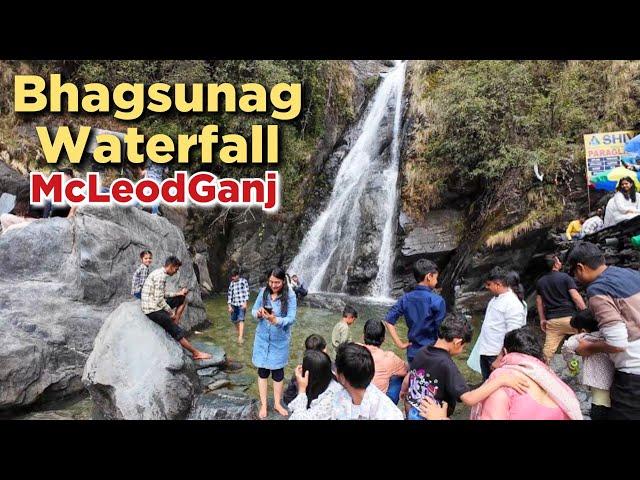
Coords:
pixel 547 398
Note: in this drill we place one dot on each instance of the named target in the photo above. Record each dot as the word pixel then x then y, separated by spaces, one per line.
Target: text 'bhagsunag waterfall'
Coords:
pixel 349 248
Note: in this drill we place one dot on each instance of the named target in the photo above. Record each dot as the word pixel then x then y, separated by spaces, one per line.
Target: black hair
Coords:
pixel 632 191
pixel 145 252
pixel 524 340
pixel 550 261
pixel 498 274
pixel 513 281
pixel 585 320
pixel 422 268
pixel 315 342
pixel 67 171
pixel 349 311
pixel 374 332
pixel 587 254
pixel 280 274
pixel 235 272
pixel 456 326
pixel 355 363
pixel 318 364
pixel 172 260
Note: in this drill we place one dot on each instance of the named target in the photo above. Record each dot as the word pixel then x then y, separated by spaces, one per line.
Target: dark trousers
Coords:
pixel 625 397
pixel 599 412
pixel 485 365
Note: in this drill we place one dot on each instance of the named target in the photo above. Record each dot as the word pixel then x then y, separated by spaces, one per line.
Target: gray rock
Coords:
pixel 218 355
pixel 241 379
pixel 441 234
pixel 60 279
pixel 7 202
pixel 208 372
pixel 136 371
pixel 216 384
pixel 10 180
pixel 200 261
pixel 224 405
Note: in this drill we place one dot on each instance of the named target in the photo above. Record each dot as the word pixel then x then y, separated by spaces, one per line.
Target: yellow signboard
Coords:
pixel 603 150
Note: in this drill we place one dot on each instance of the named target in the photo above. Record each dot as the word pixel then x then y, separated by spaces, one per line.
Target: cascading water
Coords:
pixel 382 284
pixel 351 242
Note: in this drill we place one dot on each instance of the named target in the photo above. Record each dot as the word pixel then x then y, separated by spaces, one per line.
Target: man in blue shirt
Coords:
pixel 423 310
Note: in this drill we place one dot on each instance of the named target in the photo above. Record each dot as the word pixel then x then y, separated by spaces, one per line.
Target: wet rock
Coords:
pixel 225 405
pixel 61 278
pixel 241 379
pixel 218 355
pixel 138 372
pixel 208 372
pixel 200 261
pixel 441 234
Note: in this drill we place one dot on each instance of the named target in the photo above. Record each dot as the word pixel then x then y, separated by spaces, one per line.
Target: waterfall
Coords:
pixel 382 284
pixel 352 239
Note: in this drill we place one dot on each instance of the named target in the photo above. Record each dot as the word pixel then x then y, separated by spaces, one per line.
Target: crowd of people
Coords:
pixel 623 205
pixel 365 381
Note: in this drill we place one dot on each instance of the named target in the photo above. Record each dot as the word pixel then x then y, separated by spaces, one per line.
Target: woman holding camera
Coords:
pixel 275 311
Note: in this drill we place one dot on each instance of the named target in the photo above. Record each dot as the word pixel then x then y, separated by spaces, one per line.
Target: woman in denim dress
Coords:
pixel 273 336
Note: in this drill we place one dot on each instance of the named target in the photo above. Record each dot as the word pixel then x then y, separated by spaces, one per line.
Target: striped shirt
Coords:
pixel 238 293
pixel 153 292
pixel 139 276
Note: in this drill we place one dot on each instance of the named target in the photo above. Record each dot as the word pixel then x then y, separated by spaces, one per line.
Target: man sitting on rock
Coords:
pixel 160 310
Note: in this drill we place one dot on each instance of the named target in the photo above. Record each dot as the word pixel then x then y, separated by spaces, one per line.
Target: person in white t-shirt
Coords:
pixel 359 399
pixel 504 313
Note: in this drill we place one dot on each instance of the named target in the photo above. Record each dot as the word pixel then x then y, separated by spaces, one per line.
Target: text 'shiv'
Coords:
pixel 202 188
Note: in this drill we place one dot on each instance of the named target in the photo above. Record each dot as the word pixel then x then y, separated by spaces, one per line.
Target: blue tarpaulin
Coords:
pixel 633 145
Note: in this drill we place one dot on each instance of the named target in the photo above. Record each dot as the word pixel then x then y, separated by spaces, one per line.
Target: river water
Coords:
pixel 308 321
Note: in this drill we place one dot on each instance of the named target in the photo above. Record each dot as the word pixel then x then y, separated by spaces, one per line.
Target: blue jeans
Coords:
pixel 238 314
pixel 393 392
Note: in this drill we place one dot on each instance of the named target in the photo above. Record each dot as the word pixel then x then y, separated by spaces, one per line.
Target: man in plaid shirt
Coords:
pixel 237 299
pixel 141 274
pixel 160 311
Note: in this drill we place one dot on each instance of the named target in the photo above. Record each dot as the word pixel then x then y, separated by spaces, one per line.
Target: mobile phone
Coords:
pixel 269 310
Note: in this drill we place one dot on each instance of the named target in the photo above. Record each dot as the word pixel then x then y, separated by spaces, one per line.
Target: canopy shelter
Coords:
pixel 609 180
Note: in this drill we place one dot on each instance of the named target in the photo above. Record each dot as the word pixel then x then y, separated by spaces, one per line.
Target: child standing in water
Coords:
pixel 341 332
pixel 141 274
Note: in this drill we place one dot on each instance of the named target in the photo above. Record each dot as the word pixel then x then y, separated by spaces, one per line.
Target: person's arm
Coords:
pixel 569 230
pixel 292 305
pixel 516 382
pixel 586 348
pixel 396 338
pixel 577 299
pixel 229 294
pixel 540 308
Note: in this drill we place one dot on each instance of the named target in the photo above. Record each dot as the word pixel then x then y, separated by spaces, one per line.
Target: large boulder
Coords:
pixel 60 279
pixel 225 405
pixel 136 371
